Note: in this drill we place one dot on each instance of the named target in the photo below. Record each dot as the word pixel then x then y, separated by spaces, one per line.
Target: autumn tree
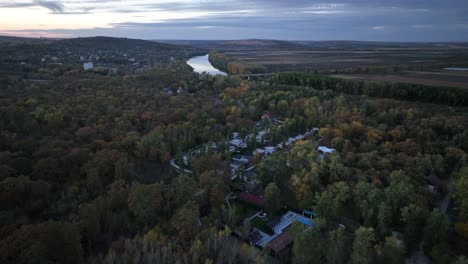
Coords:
pixel 185 221
pixel 414 218
pixel 145 201
pixel 362 246
pixel 272 198
pixel 337 247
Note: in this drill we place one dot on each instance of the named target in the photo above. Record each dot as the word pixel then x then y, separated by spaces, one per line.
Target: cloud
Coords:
pixel 53 6
pixel 283 19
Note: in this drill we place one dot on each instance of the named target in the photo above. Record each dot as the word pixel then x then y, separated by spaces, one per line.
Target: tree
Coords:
pixel 185 221
pixel 117 195
pixel 436 229
pixel 245 229
pixel 272 198
pixel 414 218
pixel 362 246
pixel 324 205
pixel 90 221
pixel 399 194
pixel 49 242
pixel 461 191
pixel 337 248
pixel 302 251
pixel 233 217
pixel 392 252
pixel 145 201
pixel 185 188
pixel 383 219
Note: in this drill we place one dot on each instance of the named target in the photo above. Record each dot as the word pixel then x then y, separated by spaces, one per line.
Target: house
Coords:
pixel 243 159
pixel 314 130
pixel 235 135
pixel 260 136
pixel 238 143
pixel 254 186
pixel 270 150
pixel 281 244
pixel 236 166
pixel 433 182
pixel 252 199
pixel 168 90
pixel 248 175
pixel 88 66
pixel 299 137
pixel 325 150
pixel 186 160
pixel 259 152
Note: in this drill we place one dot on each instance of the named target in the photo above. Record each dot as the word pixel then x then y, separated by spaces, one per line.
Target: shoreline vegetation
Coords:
pixel 400 91
pixel 234 66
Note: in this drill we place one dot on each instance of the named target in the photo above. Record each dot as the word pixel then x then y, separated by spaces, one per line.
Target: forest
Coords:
pixel 85 174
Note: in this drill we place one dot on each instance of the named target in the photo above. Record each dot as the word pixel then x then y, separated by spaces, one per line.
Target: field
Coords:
pixel 338 56
pixel 435 78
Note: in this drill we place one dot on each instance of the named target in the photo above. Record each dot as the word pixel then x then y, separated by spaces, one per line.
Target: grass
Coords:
pixel 244 210
pixel 258 223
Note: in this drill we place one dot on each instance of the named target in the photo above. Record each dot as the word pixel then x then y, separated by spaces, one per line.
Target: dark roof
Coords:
pixel 249 173
pixel 252 199
pixel 254 237
pixel 281 242
pixel 433 179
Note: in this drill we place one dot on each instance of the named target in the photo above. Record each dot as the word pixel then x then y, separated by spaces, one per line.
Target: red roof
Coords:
pixel 252 199
pixel 281 242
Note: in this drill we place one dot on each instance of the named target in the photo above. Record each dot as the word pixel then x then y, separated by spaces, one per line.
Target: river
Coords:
pixel 201 64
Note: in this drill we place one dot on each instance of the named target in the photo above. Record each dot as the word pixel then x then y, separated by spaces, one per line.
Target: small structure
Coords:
pixel 87 66
pixel 254 237
pixel 433 182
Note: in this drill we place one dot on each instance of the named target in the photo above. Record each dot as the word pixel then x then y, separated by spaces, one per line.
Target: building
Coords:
pixel 88 66
pixel 251 199
pixel 281 244
pixel 325 150
pixel 235 167
pixel 238 143
pixel 269 150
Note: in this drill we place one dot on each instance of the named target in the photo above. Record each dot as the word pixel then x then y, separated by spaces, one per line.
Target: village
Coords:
pixel 270 232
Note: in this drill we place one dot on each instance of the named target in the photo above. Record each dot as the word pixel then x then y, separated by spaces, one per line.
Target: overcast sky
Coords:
pixel 381 20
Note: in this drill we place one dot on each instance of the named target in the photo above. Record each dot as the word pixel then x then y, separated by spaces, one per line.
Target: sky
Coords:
pixel 373 20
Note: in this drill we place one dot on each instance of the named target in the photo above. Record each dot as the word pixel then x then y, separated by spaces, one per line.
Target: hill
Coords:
pixel 102 51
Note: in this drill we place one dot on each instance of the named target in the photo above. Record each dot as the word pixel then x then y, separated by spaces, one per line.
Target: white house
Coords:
pixel 87 66
pixel 238 143
pixel 270 150
pixel 325 150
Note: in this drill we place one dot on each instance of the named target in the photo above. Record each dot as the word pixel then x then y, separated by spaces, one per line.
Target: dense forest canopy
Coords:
pixel 86 174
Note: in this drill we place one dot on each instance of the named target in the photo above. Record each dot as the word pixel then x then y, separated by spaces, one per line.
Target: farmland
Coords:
pixel 434 78
pixel 339 56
